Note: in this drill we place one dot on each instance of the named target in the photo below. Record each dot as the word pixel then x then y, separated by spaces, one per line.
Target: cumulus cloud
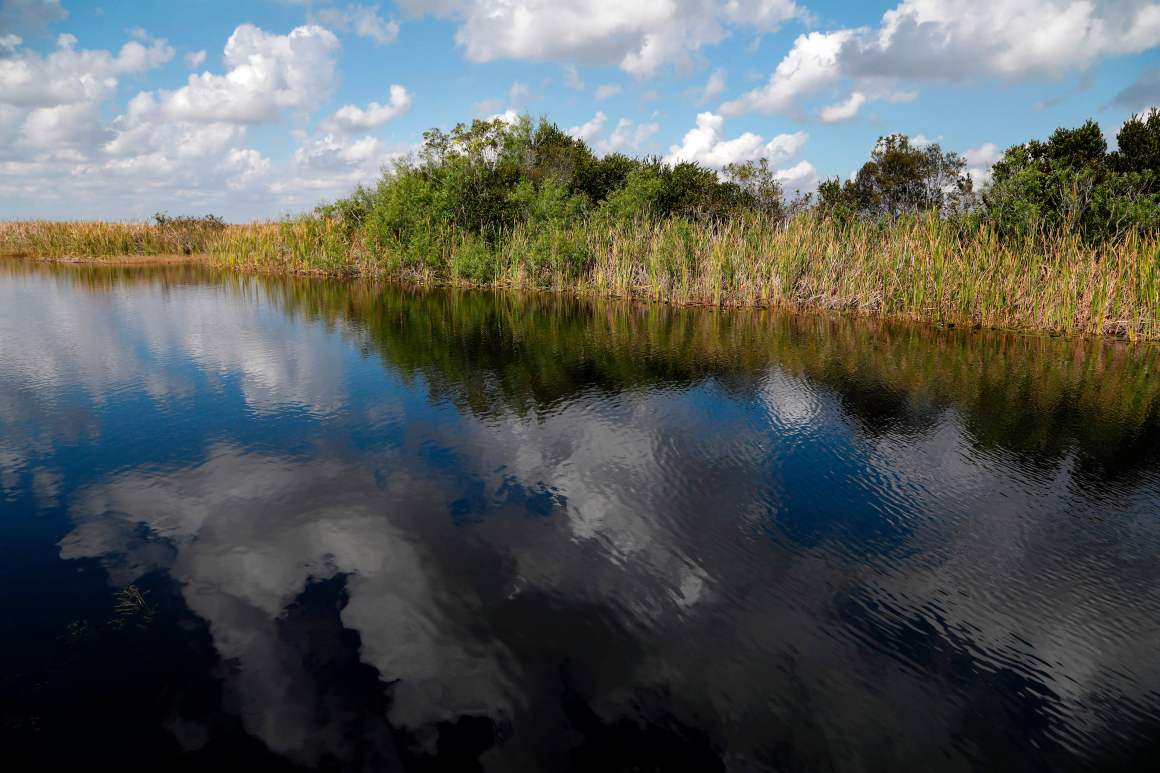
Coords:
pixel 956 39
pixel 70 75
pixel 844 110
pixel 195 59
pixel 705 144
pixel 9 43
pixel 762 15
pixel 802 176
pixel 362 20
pixel 809 65
pixel 267 73
pixel 331 165
pixel 188 143
pixel 588 130
pixel 639 37
pixel 626 135
pixel 351 118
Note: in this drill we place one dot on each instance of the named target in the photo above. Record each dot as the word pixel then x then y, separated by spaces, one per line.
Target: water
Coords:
pixel 300 524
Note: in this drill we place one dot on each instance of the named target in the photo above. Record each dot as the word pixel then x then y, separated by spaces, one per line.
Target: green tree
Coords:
pixel 1071 183
pixel 901 178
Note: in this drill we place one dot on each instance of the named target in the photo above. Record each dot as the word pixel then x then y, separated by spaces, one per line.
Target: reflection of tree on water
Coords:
pixel 492 351
pixel 1038 396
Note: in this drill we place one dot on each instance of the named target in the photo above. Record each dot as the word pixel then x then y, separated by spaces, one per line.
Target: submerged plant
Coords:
pixel 130 605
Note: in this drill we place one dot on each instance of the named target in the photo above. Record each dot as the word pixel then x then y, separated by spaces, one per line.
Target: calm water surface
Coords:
pixel 303 524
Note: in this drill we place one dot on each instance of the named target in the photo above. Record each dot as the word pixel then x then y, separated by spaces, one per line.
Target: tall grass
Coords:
pixel 921 268
pixel 94 239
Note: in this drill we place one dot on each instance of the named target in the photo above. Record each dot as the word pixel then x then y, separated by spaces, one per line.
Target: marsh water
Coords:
pixel 305 524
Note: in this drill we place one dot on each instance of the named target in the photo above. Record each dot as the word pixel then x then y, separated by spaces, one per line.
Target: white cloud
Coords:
pixel 714 86
pixel 329 166
pixel 142 128
pixel 639 37
pixel 980 160
pixel 509 116
pixel 706 145
pixel 9 43
pixel 762 15
pixel 1014 38
pixel 186 145
pixel 195 59
pixel 607 91
pixel 800 177
pixel 956 39
pixel 625 135
pixel 63 126
pixel 351 118
pixel 984 155
pixel 588 130
pixel 844 110
pixel 810 64
pixel 267 73
pixel 363 20
pixel 70 75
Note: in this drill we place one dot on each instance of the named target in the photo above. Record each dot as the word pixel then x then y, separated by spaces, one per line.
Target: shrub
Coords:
pixel 473 260
pixel 1070 183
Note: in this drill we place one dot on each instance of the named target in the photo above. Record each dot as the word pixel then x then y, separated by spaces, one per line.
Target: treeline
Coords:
pixel 478 182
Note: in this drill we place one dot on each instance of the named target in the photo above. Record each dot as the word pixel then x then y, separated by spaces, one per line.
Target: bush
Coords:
pixel 1070 183
pixel 473 260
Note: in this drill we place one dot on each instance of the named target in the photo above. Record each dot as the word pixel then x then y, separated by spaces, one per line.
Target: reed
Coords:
pixel 951 272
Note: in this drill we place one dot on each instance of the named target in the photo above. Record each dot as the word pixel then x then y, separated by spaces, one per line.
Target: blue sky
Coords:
pixel 260 108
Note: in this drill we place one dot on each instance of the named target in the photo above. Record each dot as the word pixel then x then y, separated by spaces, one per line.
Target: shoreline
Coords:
pixel 641 295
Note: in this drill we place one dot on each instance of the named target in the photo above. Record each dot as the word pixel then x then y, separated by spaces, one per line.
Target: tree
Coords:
pixel 1138 149
pixel 759 186
pixel 901 178
pixel 1071 183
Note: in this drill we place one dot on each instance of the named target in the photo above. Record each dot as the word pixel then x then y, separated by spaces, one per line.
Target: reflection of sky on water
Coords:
pixel 756 566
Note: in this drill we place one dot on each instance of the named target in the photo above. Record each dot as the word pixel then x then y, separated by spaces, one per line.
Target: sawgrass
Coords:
pixel 953 272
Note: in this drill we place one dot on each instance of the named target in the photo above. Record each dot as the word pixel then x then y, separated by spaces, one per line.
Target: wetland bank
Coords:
pixel 1065 237
pixel 308 522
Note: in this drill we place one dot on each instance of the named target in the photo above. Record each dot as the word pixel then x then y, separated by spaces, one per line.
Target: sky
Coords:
pixel 261 108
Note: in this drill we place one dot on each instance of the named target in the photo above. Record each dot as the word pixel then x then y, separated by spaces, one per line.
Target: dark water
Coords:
pixel 297 524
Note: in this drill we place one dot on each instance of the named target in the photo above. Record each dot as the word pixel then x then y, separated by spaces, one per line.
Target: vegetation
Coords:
pixel 165 235
pixel 1050 400
pixel 1072 184
pixel 1067 238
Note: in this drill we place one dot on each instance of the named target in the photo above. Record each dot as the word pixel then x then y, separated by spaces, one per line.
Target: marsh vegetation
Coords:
pixel 1065 238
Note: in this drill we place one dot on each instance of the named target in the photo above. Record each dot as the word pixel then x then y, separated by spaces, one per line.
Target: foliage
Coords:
pixel 1071 183
pixel 899 179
